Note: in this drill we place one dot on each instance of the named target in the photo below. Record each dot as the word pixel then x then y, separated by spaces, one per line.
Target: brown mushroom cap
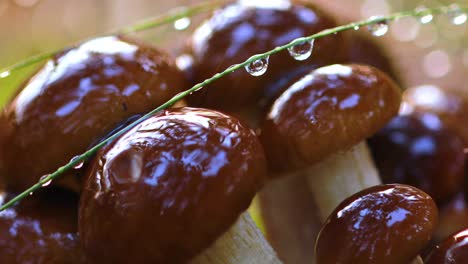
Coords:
pixel 453 250
pixel 420 150
pixel 453 216
pixel 382 224
pixel 79 96
pixel 330 109
pixel 41 229
pixel 451 106
pixel 167 189
pixel 244 28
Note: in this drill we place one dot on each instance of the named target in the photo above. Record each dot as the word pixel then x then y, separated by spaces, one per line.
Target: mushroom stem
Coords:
pixel 243 243
pixel 417 260
pixel 290 218
pixel 341 175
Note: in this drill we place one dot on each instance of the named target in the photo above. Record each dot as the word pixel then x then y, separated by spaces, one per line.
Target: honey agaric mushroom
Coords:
pixel 320 124
pixel 453 250
pixel 382 224
pixel 42 229
pixel 75 99
pixel 420 150
pixel 246 27
pixel 172 186
pixel 450 106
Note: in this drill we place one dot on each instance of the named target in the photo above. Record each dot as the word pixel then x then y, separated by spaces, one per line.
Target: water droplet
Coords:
pixel 182 23
pixel 425 16
pixel 4 74
pixel 378 29
pixel 258 67
pixel 356 28
pixel 31 193
pixel 47 183
pixel 184 61
pixel 302 51
pixel 457 16
pixel 79 165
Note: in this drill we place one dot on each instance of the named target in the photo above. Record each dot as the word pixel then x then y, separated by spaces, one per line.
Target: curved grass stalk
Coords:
pixel 240 66
pixel 170 17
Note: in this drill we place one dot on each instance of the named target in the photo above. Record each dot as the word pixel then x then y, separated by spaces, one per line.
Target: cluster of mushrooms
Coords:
pixel 346 167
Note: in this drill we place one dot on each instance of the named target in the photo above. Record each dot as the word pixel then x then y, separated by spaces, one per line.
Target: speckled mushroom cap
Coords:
pixel 244 28
pixel 41 229
pixel 167 189
pixel 384 224
pixel 76 98
pixel 453 250
pixel 329 109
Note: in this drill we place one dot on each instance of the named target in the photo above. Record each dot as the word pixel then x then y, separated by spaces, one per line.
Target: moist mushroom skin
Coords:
pixel 420 150
pixel 382 224
pixel 452 250
pixel 167 189
pixel 450 106
pixel 78 96
pixel 242 29
pixel 41 229
pixel 330 109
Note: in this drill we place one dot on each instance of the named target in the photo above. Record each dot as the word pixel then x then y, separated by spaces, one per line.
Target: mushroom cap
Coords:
pixel 382 224
pixel 452 250
pixel 453 216
pixel 328 110
pixel 167 189
pixel 239 30
pixel 451 106
pixel 41 229
pixel 420 150
pixel 78 96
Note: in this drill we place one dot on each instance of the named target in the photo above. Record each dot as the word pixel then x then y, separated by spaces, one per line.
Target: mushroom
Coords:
pixel 75 99
pixel 453 216
pixel 247 27
pixel 424 153
pixel 41 229
pixel 452 250
pixel 450 106
pixel 319 126
pixel 382 224
pixel 165 191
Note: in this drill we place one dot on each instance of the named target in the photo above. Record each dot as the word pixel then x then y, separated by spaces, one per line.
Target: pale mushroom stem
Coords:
pixel 244 243
pixel 417 260
pixel 340 176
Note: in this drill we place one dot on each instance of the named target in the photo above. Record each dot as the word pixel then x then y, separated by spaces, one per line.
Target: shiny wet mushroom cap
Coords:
pixel 329 109
pixel 76 98
pixel 241 29
pixel 419 149
pixel 41 229
pixel 167 189
pixel 382 224
pixel 453 250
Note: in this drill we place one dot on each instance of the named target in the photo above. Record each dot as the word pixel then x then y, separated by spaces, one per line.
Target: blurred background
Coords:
pixel 436 52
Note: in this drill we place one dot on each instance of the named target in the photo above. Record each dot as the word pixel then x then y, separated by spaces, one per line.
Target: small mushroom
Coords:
pixel 41 229
pixel 76 98
pixel 173 188
pixel 241 29
pixel 320 125
pixel 382 224
pixel 453 216
pixel 453 250
pixel 420 150
pixel 450 106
